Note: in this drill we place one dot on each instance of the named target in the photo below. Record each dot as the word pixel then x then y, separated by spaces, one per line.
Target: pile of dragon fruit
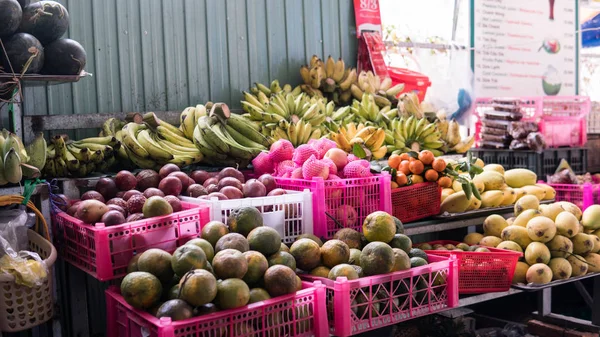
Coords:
pixel 318 158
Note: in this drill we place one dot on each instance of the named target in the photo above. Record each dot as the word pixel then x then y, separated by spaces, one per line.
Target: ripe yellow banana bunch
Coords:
pixel 67 158
pixel 368 137
pixel 409 105
pixel 189 118
pixel 450 134
pixel 381 89
pixel 330 78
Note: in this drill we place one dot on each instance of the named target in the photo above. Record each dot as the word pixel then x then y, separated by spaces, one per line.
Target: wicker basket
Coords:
pixel 22 307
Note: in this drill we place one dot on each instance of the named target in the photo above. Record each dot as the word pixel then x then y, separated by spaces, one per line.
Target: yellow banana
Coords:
pixel 329 67
pixel 379 153
pixel 305 74
pixel 129 134
pixel 154 150
pixel 339 71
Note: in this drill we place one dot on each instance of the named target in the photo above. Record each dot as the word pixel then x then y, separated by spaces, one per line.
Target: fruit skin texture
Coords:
pixel 517 234
pixel 213 231
pixel 593 261
pixel 582 244
pixel 230 263
pixel 401 260
pixel 186 258
pixel 307 254
pixel 523 218
pixel 561 268
pixel 232 241
pixel 560 246
pixel 537 252
pixel 567 224
pixel 257 266
pixel 572 208
pixel 377 258
pixel 156 262
pixel 156 206
pixel 539 273
pixel 334 252
pixel 526 202
pixel 494 224
pixel 176 309
pixel 349 236
pixel 516 178
pixel 491 180
pixel 320 271
pixel 91 211
pixel 141 289
pixel 541 229
pixel 244 219
pixel 344 270
pixel 379 226
pixel 472 238
pixel 578 265
pixel 490 241
pixel 205 246
pixel 591 217
pixel 265 240
pixel 232 293
pixel 509 245
pixel 280 280
pixel 520 273
pixel 455 203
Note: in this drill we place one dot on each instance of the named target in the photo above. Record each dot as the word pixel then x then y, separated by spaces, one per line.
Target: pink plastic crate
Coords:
pixel 340 197
pixel 581 195
pixel 481 272
pixel 104 252
pixel 561 119
pixel 418 201
pixel 300 314
pixel 376 301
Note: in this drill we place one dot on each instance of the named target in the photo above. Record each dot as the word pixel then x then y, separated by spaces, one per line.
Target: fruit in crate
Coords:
pixel 412 168
pixel 359 139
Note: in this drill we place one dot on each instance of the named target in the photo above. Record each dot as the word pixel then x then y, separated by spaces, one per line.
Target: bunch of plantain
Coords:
pixel 381 89
pixel 368 138
pixel 330 79
pixel 412 134
pixel 16 161
pixel 66 158
pixel 450 134
pixel 285 116
pixel 409 105
pixel 154 142
pixel 227 139
pixel 367 111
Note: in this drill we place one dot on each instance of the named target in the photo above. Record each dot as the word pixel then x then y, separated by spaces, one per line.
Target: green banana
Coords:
pixel 241 125
pixel 12 167
pixel 129 134
pixel 37 151
pixel 155 151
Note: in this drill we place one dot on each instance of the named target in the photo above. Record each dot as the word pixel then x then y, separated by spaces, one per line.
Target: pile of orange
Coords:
pixel 413 168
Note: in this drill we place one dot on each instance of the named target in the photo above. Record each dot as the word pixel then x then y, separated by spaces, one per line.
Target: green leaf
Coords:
pixel 359 151
pixel 475 169
pixel 413 154
pixel 475 191
pixel 467 189
pixel 470 157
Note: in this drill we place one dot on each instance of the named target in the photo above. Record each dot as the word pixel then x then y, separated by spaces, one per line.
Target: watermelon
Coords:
pixel 64 57
pixel 46 20
pixel 20 48
pixel 10 17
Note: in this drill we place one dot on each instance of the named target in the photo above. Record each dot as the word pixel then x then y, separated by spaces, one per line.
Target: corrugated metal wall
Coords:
pixel 162 55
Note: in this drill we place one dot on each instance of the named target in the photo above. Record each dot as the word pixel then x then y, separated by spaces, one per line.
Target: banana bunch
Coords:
pixel 227 139
pixel 412 134
pixel 330 79
pixel 111 126
pixel 369 138
pixel 296 118
pixel 189 119
pixel 65 158
pixel 155 143
pixel 381 89
pixel 450 134
pixel 16 162
pixel 368 112
pixel 409 105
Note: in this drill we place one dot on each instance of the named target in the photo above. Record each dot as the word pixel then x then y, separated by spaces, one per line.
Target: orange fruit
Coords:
pixel 426 157
pixel 404 156
pixel 394 161
pixel 416 167
pixel 416 179
pixel 439 164
pixel 431 175
pixel 445 182
pixel 404 167
pixel 395 184
pixel 412 159
pixel 401 179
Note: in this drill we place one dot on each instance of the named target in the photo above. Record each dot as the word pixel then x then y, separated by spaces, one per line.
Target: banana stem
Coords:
pixel 221 111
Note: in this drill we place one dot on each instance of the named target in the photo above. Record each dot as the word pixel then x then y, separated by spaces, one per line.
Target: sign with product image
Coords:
pixel 524 48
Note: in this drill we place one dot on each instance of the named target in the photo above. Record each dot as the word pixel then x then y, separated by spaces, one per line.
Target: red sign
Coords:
pixel 368 17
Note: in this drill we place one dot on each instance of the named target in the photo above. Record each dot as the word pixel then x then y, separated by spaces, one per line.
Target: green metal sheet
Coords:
pixel 161 55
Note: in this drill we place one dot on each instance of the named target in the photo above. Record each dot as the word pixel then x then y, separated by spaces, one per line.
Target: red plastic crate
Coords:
pixel 581 195
pixel 413 81
pixel 561 119
pixel 104 252
pixel 300 314
pixel 481 272
pixel 364 195
pixel 418 201
pixel 392 298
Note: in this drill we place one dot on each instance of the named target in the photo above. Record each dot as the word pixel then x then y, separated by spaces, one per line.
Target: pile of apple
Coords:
pixel 318 158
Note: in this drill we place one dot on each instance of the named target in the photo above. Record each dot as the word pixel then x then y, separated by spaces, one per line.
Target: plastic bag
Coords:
pixel 27 267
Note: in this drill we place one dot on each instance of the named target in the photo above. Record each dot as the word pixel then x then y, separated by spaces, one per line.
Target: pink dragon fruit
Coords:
pixel 322 145
pixel 281 150
pixel 357 169
pixel 263 164
pixel 314 167
pixel 286 166
pixel 332 167
pixel 302 153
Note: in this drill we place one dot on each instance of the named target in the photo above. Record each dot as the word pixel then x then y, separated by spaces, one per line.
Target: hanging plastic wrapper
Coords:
pixel 27 267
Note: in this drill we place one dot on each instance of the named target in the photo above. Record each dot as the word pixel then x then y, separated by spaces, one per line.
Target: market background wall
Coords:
pixel 164 55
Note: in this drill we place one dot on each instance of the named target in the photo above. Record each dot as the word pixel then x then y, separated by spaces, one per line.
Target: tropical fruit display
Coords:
pixel 17 161
pixel 227 267
pixel 413 168
pixel 555 240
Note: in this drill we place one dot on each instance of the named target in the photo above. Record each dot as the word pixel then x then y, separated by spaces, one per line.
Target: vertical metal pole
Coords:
pixel 545 302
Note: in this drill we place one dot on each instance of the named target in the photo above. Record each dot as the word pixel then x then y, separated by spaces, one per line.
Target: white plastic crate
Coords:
pixel 594 119
pixel 290 214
